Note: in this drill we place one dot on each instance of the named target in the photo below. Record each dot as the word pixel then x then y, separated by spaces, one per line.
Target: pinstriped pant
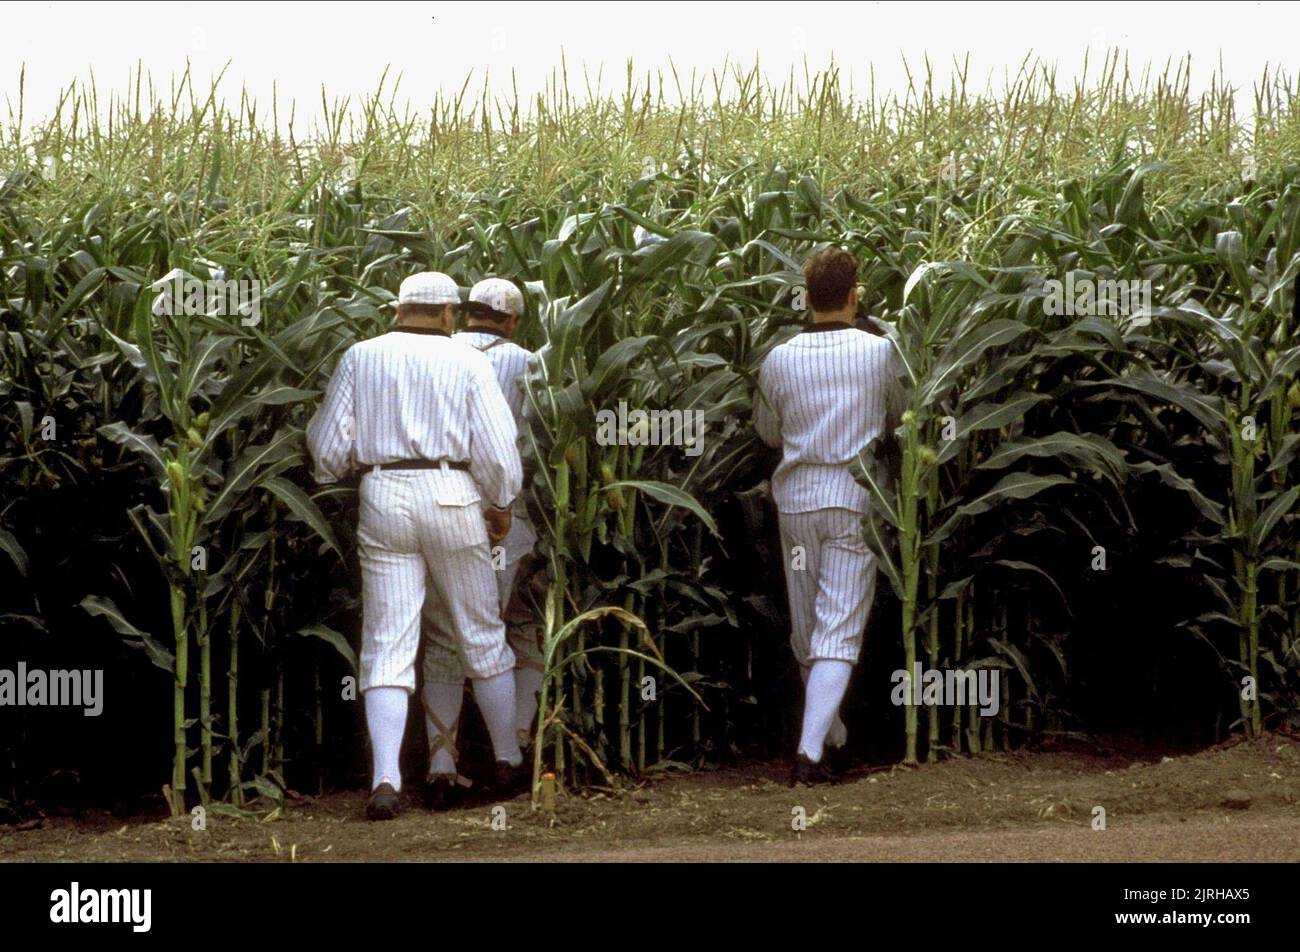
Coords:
pixel 441 663
pixel 830 575
pixel 422 531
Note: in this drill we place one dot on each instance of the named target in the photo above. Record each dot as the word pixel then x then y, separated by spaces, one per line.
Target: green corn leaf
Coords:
pixel 1087 451
pixel 302 506
pixel 1018 659
pixel 671 496
pixel 249 469
pixel 10 547
pixel 1207 410
pixel 1273 514
pixel 965 351
pixel 334 640
pixel 107 609
pixel 990 416
pixel 1013 486
pixel 141 443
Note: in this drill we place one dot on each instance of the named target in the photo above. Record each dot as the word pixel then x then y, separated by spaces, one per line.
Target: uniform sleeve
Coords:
pixel 766 419
pixel 331 434
pixel 515 385
pixel 493 454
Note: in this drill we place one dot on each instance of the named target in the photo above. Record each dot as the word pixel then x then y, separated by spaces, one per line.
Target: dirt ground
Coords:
pixel 1231 803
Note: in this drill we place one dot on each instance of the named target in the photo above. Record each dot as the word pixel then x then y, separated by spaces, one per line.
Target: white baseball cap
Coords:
pixel 498 294
pixel 428 287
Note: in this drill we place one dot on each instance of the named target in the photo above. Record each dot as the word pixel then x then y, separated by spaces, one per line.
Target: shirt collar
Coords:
pixel 482 329
pixel 816 327
pixel 436 331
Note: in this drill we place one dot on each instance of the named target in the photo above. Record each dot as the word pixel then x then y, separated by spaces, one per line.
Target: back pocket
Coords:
pixel 454 488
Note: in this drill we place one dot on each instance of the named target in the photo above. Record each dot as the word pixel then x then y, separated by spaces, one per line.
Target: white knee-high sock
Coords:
pixel 442 704
pixel 386 721
pixel 827 682
pixel 528 681
pixel 496 702
pixel 838 735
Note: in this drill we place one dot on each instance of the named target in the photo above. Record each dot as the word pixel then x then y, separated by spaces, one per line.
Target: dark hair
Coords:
pixel 830 275
pixel 478 311
pixel 411 309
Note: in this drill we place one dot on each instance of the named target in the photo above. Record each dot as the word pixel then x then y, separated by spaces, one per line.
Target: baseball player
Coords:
pixel 824 396
pixel 493 312
pixel 422 418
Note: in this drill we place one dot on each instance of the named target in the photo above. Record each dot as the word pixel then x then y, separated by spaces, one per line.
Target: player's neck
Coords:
pixel 842 316
pixel 485 329
pixel 421 325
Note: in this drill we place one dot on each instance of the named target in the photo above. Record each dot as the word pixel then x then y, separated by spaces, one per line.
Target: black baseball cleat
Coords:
pixel 384 803
pixel 809 774
pixel 838 760
pixel 442 793
pixel 508 782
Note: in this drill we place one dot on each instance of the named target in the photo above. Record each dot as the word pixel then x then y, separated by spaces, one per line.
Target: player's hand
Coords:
pixel 498 524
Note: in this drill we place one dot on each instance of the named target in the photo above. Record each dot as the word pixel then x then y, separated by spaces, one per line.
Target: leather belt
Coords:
pixel 457 464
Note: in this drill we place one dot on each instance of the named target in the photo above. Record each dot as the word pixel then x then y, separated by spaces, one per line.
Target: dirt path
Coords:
pixel 1239 802
pixel 1201 838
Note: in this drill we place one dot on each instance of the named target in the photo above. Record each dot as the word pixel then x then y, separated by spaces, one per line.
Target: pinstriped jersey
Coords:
pixel 406 395
pixel 508 361
pixel 823 397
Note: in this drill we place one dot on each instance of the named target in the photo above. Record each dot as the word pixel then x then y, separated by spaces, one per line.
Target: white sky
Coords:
pixel 299 46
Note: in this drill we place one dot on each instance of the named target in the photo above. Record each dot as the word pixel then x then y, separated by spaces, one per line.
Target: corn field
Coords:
pixel 1102 506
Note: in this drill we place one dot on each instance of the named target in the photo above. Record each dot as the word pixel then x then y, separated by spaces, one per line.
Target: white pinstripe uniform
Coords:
pixel 441 662
pixel 828 388
pixel 410 395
